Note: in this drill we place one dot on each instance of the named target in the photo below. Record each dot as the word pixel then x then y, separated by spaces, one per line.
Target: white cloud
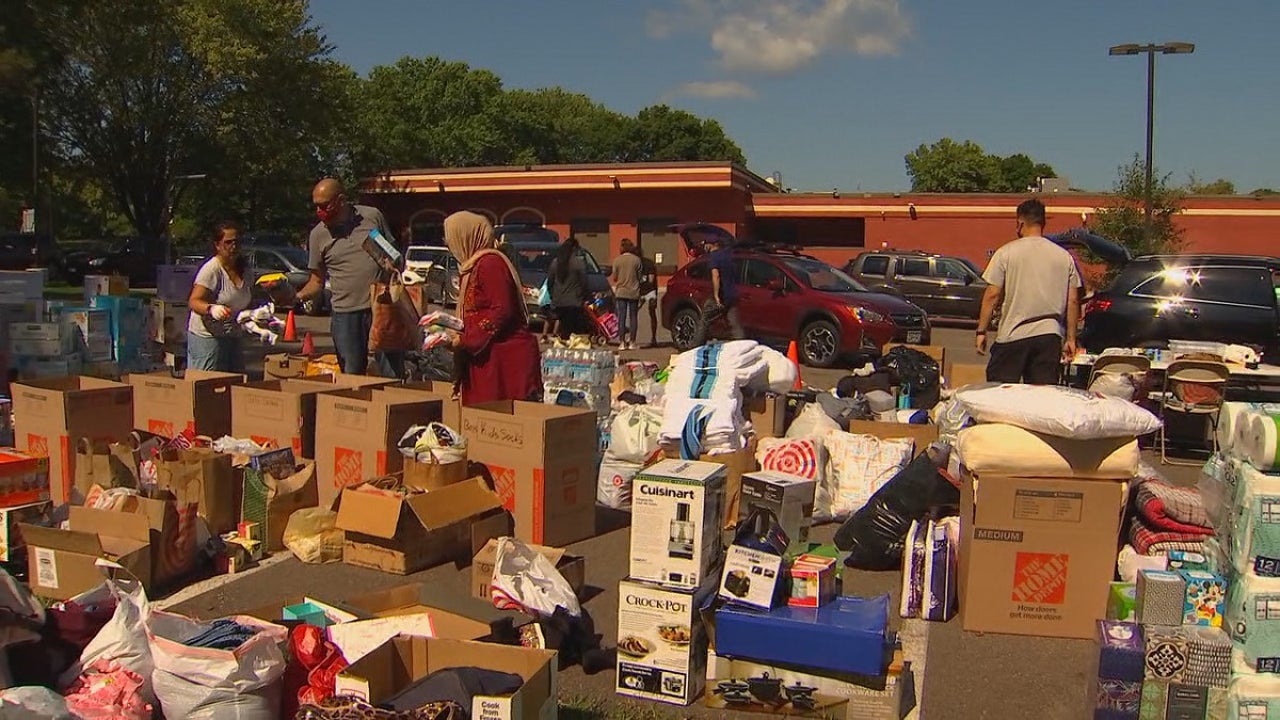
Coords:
pixel 717 89
pixel 781 36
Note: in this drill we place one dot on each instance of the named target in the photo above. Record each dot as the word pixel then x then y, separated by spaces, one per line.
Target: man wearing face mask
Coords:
pixel 337 254
pixel 1037 286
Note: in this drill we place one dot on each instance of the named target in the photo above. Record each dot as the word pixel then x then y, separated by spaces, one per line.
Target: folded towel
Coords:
pixel 1168 507
pixel 702 427
pixel 1153 541
pixel 710 372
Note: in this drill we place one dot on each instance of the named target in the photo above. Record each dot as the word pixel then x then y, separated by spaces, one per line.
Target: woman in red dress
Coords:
pixel 498 358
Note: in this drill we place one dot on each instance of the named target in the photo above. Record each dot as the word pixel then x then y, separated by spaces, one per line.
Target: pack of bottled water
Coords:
pixel 579 377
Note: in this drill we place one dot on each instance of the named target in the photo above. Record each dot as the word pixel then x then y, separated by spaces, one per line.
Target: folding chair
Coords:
pixel 1137 366
pixel 1196 388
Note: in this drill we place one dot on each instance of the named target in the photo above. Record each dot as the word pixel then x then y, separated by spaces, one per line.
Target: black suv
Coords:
pixel 1157 298
pixel 945 286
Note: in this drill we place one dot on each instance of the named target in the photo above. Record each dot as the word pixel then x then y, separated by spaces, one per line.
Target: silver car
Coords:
pixel 436 269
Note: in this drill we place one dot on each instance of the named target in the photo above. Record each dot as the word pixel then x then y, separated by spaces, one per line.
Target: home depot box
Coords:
pixel 404 660
pixel 11 540
pixel 442 391
pixel 922 435
pixel 198 402
pixel 356 434
pixel 571 567
pixel 854 697
pixel 676 506
pixel 543 459
pixel 52 416
pixel 403 534
pixel 1037 555
pixel 662 641
pixel 279 413
pixel 63 563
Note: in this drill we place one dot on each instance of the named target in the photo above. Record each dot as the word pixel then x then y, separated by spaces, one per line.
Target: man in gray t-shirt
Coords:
pixel 336 247
pixel 1037 286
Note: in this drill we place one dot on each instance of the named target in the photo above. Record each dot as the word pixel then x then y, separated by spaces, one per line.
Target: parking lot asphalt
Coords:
pixel 959 675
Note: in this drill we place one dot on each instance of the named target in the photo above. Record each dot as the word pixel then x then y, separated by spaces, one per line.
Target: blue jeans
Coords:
pixel 219 354
pixel 628 318
pixel 351 341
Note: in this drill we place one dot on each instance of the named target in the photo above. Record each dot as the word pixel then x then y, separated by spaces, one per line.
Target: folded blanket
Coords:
pixel 1172 508
pixel 1151 541
pixel 716 370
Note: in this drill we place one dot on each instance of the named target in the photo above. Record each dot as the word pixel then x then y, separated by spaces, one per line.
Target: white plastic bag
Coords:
pixel 123 640
pixel 199 683
pixel 812 422
pixel 613 484
pixel 33 703
pixel 434 443
pixel 633 436
pixel 524 579
pixel 1058 411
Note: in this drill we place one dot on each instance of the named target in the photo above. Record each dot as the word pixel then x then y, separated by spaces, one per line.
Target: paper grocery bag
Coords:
pixel 205 478
pixel 269 502
pixel 104 464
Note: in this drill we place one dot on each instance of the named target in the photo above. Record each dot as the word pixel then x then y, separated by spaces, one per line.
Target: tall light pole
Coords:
pixel 1169 48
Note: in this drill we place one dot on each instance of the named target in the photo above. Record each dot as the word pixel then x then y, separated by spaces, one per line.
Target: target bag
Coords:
pixel 802 457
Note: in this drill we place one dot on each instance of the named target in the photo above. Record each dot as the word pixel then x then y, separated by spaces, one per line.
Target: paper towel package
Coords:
pixel 1253 618
pixel 1121 651
pixel 1260 439
pixel 1233 423
pixel 1161 597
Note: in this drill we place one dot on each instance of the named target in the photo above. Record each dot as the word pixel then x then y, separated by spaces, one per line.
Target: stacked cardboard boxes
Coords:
pixel 128 323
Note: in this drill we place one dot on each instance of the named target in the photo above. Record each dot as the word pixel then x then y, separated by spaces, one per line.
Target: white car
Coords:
pixel 436 268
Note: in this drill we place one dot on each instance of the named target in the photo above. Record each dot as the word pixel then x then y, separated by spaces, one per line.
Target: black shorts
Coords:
pixel 1035 360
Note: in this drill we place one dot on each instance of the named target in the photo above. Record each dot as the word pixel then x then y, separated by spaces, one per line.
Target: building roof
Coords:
pixel 598 176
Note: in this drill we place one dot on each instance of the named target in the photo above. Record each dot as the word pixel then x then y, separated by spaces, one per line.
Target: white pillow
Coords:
pixel 1060 411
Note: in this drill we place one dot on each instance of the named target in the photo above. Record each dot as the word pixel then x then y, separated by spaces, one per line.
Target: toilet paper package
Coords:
pixel 1233 420
pixel 1253 618
pixel 1255 538
pixel 1260 440
pixel 1253 697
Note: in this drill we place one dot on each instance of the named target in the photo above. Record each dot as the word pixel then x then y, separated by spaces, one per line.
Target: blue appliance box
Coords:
pixel 847 635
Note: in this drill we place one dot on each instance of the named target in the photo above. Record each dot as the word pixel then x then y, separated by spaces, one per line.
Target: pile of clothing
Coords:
pixel 262 321
pixel 703 410
pixel 1167 518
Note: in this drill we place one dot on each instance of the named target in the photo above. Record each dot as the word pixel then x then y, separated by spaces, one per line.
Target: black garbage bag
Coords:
pixel 876 534
pixel 436 364
pixel 916 373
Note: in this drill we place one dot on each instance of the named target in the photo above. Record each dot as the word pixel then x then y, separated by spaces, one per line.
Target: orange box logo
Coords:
pixel 1040 578
pixel 504 484
pixel 38 445
pixel 163 428
pixel 263 440
pixel 348 467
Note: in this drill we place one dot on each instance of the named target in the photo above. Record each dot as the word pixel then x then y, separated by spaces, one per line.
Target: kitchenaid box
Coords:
pixel 662 643
pixel 750 577
pixel 676 508
pixel 788 497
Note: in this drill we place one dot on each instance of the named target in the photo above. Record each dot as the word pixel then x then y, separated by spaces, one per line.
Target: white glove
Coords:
pixel 219 312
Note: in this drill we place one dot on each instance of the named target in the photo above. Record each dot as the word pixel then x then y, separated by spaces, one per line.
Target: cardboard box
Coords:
pixel 24 479
pixel 859 697
pixel 923 435
pixel 40 339
pixel 403 661
pixel 1037 555
pixel 767 413
pixel 432 475
pixel 963 374
pixel 130 317
pixel 206 478
pixel 813 581
pixel 543 460
pixel 282 366
pixel 198 402
pixel 53 415
pixel 435 390
pixel 845 635
pixel 736 464
pixel 21 285
pixel 174 282
pixel 95 285
pixel 571 567
pixel 356 434
pixel 63 563
pixel 662 642
pixel 676 506
pixel 278 413
pixel 403 534
pixel 169 320
pixel 11 539
pixel 788 497
pixel 750 577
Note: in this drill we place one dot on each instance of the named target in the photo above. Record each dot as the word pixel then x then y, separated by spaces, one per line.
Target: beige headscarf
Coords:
pixel 470 237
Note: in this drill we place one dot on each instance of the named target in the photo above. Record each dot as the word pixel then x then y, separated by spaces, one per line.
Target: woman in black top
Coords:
pixel 567 282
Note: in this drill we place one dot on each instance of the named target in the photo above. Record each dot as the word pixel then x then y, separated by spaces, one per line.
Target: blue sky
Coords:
pixel 833 93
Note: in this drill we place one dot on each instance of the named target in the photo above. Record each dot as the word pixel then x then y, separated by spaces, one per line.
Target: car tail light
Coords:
pixel 1097 306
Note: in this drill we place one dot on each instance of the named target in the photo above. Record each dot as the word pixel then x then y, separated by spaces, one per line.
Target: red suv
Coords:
pixel 784 295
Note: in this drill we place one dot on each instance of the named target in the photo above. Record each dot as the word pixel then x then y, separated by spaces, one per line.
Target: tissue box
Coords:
pixel 1161 597
pixel 306 612
pixel 1122 601
pixel 1121 651
pixel 1205 599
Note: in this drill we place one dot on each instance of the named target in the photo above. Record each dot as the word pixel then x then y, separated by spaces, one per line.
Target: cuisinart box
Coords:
pixel 788 497
pixel 662 643
pixel 676 508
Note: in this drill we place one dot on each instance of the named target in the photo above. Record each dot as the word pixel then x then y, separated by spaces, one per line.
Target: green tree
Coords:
pixel 1124 218
pixel 1018 172
pixel 150 91
pixel 964 167
pixel 1221 186
pixel 552 125
pixel 1261 192
pixel 664 134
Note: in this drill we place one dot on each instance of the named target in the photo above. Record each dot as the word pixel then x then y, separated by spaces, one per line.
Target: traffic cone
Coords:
pixel 290 329
pixel 308 345
pixel 793 354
